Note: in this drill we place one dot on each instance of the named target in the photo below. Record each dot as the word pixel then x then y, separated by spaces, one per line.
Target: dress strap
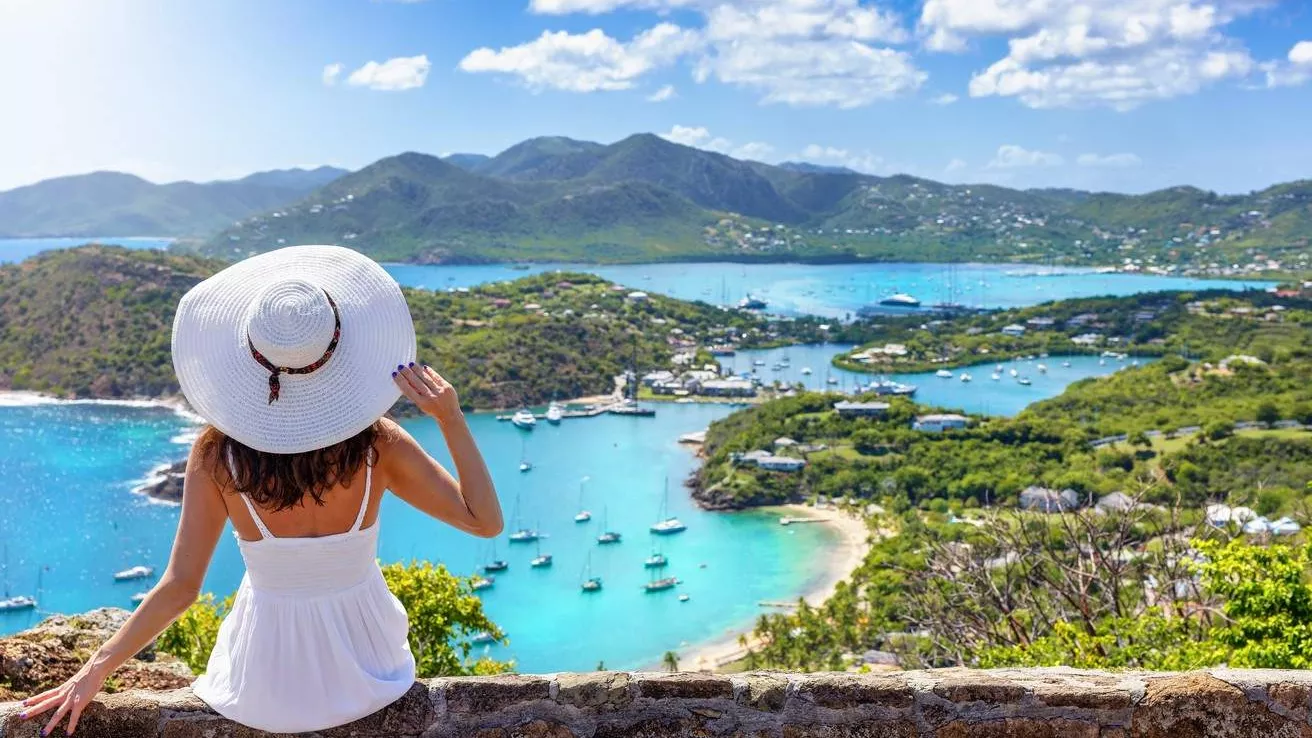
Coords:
pixel 250 507
pixel 368 482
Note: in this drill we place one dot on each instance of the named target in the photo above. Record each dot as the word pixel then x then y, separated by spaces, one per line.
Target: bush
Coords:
pixel 1218 429
pixel 1267 412
pixel 192 636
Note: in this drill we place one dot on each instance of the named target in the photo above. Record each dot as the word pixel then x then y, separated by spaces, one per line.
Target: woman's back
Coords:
pixel 313 624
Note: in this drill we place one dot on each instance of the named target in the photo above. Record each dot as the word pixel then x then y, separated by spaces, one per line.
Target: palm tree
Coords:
pixel 671 660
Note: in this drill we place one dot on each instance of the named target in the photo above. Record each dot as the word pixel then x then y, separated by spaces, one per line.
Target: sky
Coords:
pixel 1123 95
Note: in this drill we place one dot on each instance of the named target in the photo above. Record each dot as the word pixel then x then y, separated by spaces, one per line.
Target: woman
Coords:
pixel 293 357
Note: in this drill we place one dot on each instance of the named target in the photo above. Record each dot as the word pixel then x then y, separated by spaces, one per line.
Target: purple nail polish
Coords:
pixel 393 375
pixel 399 367
pixel 22 716
pixel 412 363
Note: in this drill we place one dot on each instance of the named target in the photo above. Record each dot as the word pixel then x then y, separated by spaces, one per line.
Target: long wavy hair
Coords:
pixel 280 481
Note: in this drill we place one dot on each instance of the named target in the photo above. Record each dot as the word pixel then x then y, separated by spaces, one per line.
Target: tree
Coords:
pixel 192 636
pixel 1267 412
pixel 671 661
pixel 1267 602
pixel 444 614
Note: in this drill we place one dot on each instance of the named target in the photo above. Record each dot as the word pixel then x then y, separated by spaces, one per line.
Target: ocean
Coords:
pixel 73 519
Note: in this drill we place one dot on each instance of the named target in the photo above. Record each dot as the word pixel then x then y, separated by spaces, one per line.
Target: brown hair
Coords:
pixel 280 481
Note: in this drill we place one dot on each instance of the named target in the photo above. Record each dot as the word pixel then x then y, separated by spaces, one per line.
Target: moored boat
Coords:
pixel 134 572
pixel 524 419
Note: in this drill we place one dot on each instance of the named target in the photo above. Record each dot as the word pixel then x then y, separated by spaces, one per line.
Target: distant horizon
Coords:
pixel 446 155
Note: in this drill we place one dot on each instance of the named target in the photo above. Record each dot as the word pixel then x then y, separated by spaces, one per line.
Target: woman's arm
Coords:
pixel 201 524
pixel 468 503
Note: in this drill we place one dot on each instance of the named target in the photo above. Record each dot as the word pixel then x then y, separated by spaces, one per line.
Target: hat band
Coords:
pixel 275 385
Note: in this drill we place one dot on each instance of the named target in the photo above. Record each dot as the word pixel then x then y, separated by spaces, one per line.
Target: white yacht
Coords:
pixel 996 376
pixel 965 377
pixel 1043 368
pixel 555 413
pixel 524 419
pixel 1025 381
pixel 1066 364
pixel 806 371
pixel 135 572
pixel 944 373
pixel 17 602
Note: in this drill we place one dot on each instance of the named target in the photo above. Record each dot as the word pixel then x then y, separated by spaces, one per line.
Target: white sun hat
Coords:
pixel 293 350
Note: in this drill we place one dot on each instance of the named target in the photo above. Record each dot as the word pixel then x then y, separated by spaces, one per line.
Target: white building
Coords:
pixel 939 423
pixel 1014 330
pixel 861 409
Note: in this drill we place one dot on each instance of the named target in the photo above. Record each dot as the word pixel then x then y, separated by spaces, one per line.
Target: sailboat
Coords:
pixel 668 524
pixel 657 560
pixel 134 572
pixel 524 463
pixel 541 560
pixel 495 564
pixel 659 585
pixel 589 582
pixel 481 583
pixel 607 536
pixel 13 602
pixel 583 515
pixel 521 534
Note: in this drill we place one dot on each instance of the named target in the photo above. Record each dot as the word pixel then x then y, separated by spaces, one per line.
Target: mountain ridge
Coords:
pixel 107 203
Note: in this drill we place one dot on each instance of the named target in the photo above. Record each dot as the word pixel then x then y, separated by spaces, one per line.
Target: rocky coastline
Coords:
pixel 48 654
pixel 166 483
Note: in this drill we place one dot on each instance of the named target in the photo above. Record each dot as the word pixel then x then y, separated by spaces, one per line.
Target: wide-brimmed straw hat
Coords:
pixel 293 350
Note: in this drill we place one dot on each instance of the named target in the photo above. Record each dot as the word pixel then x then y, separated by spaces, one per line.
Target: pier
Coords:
pixel 786 520
pixel 592 411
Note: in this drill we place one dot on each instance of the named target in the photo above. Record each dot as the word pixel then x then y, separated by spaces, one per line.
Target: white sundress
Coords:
pixel 314 639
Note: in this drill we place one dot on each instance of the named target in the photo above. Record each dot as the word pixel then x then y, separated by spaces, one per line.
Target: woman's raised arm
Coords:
pixel 469 502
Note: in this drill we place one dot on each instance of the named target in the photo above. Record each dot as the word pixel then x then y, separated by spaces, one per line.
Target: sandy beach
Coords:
pixel 843 558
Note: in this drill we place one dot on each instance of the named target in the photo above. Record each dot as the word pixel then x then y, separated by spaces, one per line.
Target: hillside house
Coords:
pixel 847 409
pixel 1042 499
pixel 1014 330
pixel 937 423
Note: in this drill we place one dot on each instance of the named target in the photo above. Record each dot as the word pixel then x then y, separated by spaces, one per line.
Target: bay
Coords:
pixel 837 290
pixel 17 249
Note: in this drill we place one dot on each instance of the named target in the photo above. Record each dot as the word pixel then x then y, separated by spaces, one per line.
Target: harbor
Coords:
pixel 622 407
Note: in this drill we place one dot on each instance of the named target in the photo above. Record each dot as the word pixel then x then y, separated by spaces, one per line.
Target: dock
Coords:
pixel 592 411
pixel 786 520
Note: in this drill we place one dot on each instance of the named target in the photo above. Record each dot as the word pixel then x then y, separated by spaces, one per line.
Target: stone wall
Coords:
pixel 951 703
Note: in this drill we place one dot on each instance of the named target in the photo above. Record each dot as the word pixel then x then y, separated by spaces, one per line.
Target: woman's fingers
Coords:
pixel 37 698
pixel 42 703
pixel 426 375
pixel 412 377
pixel 59 715
pixel 73 716
pixel 431 373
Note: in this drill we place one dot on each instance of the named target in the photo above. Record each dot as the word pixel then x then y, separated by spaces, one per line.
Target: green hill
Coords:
pixel 114 204
pixel 472 208
pixel 96 322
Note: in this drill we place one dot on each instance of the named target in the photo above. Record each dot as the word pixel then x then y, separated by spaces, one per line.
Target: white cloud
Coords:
pixel 1011 156
pixel 946 98
pixel 1301 53
pixel 860 161
pixel 1110 160
pixel 400 73
pixel 585 62
pixel 561 7
pixel 330 74
pixel 844 74
pixel 795 52
pixel 956 165
pixel 1296 72
pixel 1083 53
pixel 700 137
pixel 665 93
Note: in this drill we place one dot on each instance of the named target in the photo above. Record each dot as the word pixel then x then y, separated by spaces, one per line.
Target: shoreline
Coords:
pixel 30 398
pixel 850 550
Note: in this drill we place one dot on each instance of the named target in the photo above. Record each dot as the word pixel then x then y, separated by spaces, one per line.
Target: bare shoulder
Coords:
pixel 395 445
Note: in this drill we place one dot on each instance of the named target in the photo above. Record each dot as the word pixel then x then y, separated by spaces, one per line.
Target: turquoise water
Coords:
pixel 72 518
pixel 17 249
pixel 837 290
pixel 981 395
pixel 69 471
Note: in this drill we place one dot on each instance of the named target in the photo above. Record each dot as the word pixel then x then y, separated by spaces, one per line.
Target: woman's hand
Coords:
pixel 428 391
pixel 70 698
